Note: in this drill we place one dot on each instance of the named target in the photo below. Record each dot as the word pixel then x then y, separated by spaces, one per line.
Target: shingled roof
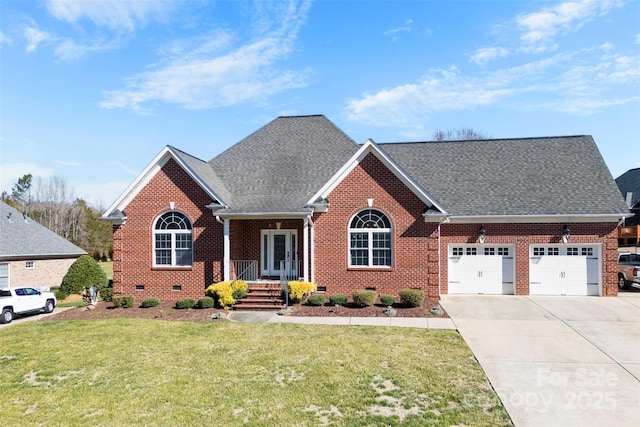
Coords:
pixel 281 165
pixel 629 182
pixel 22 238
pixel 529 176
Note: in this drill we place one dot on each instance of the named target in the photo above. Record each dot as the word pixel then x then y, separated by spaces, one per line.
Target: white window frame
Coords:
pixel 369 229
pixel 173 234
pixel 5 279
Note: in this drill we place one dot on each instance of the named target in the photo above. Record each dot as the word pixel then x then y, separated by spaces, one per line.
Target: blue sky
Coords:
pixel 91 91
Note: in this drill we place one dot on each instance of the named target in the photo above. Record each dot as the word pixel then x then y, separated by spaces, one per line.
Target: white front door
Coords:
pixel 564 270
pixel 277 246
pixel 481 269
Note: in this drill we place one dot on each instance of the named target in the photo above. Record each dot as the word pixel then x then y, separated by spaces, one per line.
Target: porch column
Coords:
pixel 313 254
pixel 226 250
pixel 305 248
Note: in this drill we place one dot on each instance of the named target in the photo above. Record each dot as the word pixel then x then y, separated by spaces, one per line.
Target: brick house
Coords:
pixel 31 254
pixel 300 199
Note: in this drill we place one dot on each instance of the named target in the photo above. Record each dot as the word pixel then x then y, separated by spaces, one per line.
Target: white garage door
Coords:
pixel 564 270
pixel 481 269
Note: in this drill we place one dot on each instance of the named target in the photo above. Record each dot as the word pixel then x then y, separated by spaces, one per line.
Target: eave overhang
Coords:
pixel 522 219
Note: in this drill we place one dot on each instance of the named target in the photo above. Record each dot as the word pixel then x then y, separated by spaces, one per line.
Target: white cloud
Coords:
pixel 35 37
pixel 540 28
pixel 4 39
pixel 114 14
pixel 637 40
pixel 482 56
pixel 572 83
pixel 196 79
pixel 438 90
pixel 69 50
pixel 407 27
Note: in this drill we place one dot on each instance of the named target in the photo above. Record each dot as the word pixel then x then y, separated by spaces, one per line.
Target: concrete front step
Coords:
pixel 257 306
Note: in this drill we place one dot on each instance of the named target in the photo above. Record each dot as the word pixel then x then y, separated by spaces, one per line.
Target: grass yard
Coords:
pixel 107 267
pixel 152 372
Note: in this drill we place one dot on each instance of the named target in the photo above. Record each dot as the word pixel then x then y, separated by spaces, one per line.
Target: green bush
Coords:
pixel 185 303
pixel 386 299
pixel 412 297
pixel 315 299
pixel 59 293
pixel 106 294
pixel 125 301
pixel 364 298
pixel 150 302
pixel 205 302
pixel 83 273
pixel 338 299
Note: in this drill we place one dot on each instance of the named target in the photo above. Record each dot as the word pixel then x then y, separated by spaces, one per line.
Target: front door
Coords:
pixel 278 246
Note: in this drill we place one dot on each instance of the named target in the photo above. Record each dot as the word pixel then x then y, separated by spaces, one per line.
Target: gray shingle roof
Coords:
pixel 629 182
pixel 23 239
pixel 532 176
pixel 279 167
pixel 206 173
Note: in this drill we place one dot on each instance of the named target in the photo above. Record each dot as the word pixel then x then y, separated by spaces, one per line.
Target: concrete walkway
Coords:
pixel 562 361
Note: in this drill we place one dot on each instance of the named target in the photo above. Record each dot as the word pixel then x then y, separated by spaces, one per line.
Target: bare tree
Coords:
pixel 461 134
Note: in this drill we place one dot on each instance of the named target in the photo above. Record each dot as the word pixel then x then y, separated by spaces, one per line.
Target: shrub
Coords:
pixel 386 300
pixel 226 293
pixel 150 302
pixel 106 294
pixel 205 302
pixel 59 293
pixel 298 290
pixel 185 303
pixel 364 298
pixel 83 273
pixel 412 297
pixel 338 299
pixel 125 301
pixel 316 300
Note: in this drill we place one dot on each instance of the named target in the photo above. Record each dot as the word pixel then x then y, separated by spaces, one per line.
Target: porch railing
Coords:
pixel 246 270
pixel 290 270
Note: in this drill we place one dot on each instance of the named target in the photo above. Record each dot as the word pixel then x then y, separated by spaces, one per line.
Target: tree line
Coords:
pixel 52 204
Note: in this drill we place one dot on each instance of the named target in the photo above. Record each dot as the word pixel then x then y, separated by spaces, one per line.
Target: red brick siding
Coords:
pixel 414 242
pixel 521 236
pixel 133 241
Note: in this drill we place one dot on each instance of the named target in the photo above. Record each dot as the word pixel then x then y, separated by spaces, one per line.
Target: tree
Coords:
pixel 461 134
pixel 21 191
pixel 83 273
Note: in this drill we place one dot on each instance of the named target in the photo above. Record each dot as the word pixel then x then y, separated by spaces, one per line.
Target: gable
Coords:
pixel 371 149
pixel 194 168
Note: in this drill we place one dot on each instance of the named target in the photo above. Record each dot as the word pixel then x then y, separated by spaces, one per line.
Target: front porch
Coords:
pixel 268 248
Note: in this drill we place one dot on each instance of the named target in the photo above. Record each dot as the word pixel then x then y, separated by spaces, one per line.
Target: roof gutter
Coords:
pixel 263 215
pixel 488 219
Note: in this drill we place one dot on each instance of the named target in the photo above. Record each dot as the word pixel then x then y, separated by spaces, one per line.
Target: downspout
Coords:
pixel 226 263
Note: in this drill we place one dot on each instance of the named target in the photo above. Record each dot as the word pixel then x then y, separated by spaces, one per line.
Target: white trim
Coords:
pixel 489 219
pixel 263 215
pixel 226 248
pixel 149 172
pixel 371 147
pixel 305 249
pixel 266 270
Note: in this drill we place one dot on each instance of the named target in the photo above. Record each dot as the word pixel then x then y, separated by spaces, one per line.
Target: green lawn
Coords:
pixel 153 372
pixel 107 267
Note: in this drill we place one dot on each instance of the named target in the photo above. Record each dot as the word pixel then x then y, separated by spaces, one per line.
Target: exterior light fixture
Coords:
pixel 481 234
pixel 566 232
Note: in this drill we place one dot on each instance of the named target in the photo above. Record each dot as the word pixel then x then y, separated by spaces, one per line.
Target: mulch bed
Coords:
pixel 166 311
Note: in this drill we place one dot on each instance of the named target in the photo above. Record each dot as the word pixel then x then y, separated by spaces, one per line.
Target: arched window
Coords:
pixel 172 240
pixel 370 239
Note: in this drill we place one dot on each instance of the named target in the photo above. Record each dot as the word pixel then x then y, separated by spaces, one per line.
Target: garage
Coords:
pixel 481 269
pixel 564 270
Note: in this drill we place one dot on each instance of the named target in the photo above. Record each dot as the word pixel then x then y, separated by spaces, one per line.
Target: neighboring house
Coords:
pixel 629 231
pixel 299 198
pixel 31 254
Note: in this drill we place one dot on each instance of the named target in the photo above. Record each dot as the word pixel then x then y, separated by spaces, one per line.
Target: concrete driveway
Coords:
pixel 561 361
